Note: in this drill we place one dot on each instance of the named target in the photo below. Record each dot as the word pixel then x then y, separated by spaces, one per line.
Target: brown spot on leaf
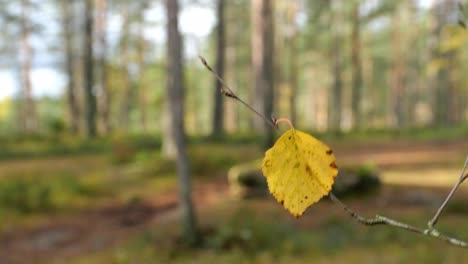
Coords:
pixel 333 165
pixel 329 152
pixel 306 197
pixel 297 165
pixel 308 170
pixel 282 202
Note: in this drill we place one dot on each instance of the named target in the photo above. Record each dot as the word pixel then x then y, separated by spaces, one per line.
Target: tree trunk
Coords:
pixel 397 76
pixel 175 93
pixel 335 101
pixel 129 84
pixel 218 115
pixel 141 70
pixel 169 149
pixel 357 68
pixel 441 83
pixel 104 101
pixel 90 98
pixel 68 18
pixel 262 63
pixel 29 117
pixel 293 71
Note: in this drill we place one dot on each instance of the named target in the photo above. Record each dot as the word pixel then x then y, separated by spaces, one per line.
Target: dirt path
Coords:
pixel 401 154
pixel 96 229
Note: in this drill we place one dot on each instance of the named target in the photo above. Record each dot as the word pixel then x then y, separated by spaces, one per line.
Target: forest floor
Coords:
pixel 140 222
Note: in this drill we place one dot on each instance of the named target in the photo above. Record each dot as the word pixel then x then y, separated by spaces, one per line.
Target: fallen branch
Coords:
pixel 378 219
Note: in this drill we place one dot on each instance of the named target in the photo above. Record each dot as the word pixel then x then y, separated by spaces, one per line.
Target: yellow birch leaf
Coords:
pixel 300 170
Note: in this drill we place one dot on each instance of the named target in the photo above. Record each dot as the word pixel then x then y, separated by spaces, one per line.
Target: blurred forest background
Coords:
pixel 98 96
pixel 335 66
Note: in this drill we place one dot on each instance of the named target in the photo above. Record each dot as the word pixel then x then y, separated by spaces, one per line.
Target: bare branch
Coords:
pixel 434 220
pixel 430 231
pixel 227 91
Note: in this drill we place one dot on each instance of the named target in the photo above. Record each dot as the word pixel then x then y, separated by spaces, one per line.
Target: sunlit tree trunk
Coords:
pixel 128 75
pixel 218 115
pixel 104 96
pixel 262 62
pixel 143 100
pixel 293 71
pixel 29 117
pixel 357 67
pixel 397 72
pixel 175 95
pixel 168 145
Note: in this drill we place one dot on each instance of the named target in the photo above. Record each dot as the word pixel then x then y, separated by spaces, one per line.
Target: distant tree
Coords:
pixel 293 63
pixel 357 83
pixel 126 63
pixel 140 49
pixel 262 61
pixel 175 96
pixel 88 65
pixel 29 117
pixel 218 113
pixel 67 21
pixel 104 96
pixel 446 103
pixel 336 59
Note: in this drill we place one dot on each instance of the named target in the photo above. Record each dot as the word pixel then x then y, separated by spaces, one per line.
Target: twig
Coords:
pixel 434 220
pixel 227 91
pixel 430 231
pixel 378 219
pixel 383 220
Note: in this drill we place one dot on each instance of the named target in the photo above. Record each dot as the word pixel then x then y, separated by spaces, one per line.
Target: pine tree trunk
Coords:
pixel 335 100
pixel 90 99
pixel 357 68
pixel 141 70
pixel 218 114
pixel 29 117
pixel 293 61
pixel 104 96
pixel 73 111
pixel 262 63
pixel 175 93
pixel 397 76
pixel 129 84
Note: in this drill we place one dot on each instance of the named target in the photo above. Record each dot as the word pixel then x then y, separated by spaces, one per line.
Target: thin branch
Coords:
pixel 383 220
pixel 378 219
pixel 434 220
pixel 227 91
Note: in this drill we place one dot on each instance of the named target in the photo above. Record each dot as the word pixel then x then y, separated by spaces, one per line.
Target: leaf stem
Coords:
pixel 280 120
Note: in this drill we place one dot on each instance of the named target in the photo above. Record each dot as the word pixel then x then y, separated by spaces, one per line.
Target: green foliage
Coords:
pixel 43 194
pixel 248 234
pixel 56 126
